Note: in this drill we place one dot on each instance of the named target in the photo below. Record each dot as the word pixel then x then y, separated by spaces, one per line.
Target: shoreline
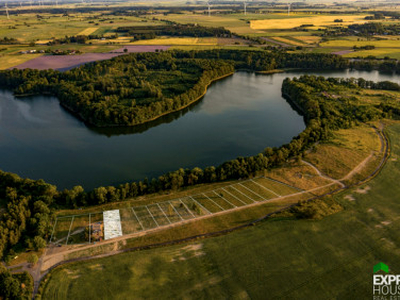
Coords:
pixel 88 122
pixel 78 115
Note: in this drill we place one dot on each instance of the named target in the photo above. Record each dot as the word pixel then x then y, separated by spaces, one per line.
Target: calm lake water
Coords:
pixel 239 116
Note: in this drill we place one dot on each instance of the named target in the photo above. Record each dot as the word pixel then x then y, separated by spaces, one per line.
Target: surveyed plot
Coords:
pixel 209 204
pixel 181 208
pixel 145 217
pixel 129 222
pixel 61 230
pixel 245 190
pixel 79 230
pixel 238 194
pixel 219 200
pixel 158 214
pixel 261 191
pixel 194 207
pixel 229 197
pixel 280 188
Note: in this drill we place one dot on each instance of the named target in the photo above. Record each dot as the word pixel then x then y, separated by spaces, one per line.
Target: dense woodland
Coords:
pixel 173 29
pixel 366 30
pixel 15 286
pixel 26 220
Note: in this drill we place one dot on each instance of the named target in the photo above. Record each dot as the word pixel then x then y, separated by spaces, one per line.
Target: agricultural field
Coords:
pixel 290 258
pixel 353 41
pixel 316 21
pixel 185 41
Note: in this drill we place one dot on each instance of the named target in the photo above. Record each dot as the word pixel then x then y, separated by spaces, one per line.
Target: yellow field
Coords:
pixel 179 41
pixel 120 40
pixel 309 39
pixel 380 53
pixel 353 42
pixel 287 41
pixel 8 61
pixel 88 31
pixel 317 21
pixel 42 42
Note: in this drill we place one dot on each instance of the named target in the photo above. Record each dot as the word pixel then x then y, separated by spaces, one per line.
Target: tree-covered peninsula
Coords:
pixel 136 88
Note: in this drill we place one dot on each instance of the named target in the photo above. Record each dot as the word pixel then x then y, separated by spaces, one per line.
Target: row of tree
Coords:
pixel 174 29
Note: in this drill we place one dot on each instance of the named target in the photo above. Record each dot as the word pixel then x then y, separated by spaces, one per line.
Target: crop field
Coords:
pixel 318 21
pixel 88 31
pixel 238 23
pixel 308 39
pixel 27 27
pixel 8 61
pixel 350 42
pixel 288 40
pixel 379 53
pixel 332 257
pixel 74 229
pixel 179 41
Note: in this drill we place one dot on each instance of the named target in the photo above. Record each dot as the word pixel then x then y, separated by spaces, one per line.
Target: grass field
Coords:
pixel 345 151
pixel 331 258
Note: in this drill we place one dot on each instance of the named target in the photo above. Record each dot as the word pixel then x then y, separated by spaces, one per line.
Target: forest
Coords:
pixel 26 220
pixel 173 29
pixel 367 30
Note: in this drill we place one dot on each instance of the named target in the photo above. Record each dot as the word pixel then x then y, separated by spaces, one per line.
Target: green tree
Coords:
pixel 33 259
pixel 39 243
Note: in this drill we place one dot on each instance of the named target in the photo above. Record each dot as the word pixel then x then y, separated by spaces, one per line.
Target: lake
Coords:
pixel 239 116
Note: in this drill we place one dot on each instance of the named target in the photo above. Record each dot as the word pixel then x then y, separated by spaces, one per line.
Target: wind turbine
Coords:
pixel 245 4
pixel 288 9
pixel 209 8
pixel 8 16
